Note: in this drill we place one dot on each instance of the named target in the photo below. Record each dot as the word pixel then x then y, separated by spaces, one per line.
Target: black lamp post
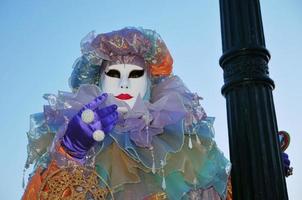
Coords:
pixel 257 171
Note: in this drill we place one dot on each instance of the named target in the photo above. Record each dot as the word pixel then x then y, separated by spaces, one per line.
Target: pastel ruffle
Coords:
pixel 167 140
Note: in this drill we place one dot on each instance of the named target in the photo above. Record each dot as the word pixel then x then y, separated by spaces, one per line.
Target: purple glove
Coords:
pixel 286 165
pixel 80 133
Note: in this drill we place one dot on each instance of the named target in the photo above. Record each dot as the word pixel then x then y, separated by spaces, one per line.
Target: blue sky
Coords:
pixel 40 41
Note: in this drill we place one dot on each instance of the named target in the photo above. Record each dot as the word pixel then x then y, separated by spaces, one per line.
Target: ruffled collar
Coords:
pixel 143 137
pixel 147 132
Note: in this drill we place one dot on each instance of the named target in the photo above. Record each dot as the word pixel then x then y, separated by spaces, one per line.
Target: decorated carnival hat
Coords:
pixel 142 47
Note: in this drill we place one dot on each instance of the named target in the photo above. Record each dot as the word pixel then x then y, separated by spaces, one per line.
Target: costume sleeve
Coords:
pixel 35 184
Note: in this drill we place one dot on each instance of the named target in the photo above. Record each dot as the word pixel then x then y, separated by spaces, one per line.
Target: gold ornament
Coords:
pixel 157 196
pixel 74 183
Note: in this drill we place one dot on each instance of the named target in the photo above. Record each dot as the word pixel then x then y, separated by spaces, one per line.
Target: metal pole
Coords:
pixel 257 171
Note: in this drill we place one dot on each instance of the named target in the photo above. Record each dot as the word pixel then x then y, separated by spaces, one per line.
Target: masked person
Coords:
pixel 129 129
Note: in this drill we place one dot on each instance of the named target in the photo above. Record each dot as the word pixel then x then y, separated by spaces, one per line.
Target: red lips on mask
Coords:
pixel 124 96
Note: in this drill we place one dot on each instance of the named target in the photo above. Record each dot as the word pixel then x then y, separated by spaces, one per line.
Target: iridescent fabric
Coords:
pixel 163 145
pixel 184 156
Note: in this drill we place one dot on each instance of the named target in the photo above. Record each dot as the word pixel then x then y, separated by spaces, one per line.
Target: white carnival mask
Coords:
pixel 125 81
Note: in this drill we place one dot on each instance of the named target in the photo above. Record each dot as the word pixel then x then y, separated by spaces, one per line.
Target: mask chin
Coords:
pixel 126 82
pixel 130 102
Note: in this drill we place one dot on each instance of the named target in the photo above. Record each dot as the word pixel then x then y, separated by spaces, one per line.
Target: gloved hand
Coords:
pixel 286 165
pixel 89 126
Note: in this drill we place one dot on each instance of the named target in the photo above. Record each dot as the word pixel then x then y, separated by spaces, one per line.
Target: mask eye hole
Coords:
pixel 136 73
pixel 113 73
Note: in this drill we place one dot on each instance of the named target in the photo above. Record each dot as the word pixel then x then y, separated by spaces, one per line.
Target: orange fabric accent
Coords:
pixel 164 68
pixel 62 151
pixel 229 190
pixel 33 186
pixel 35 183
